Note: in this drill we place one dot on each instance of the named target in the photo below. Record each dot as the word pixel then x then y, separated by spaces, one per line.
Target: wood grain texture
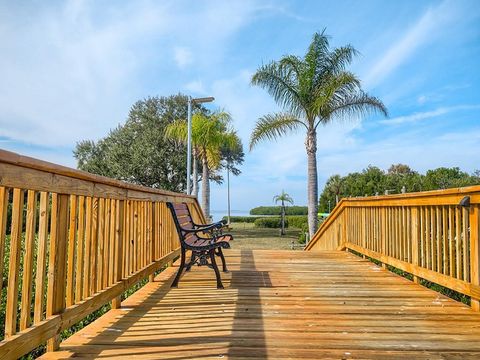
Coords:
pixel 14 263
pixel 27 278
pixel 282 305
pixel 41 258
pixel 4 197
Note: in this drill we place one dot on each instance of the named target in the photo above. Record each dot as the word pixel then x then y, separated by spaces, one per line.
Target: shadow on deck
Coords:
pixel 283 305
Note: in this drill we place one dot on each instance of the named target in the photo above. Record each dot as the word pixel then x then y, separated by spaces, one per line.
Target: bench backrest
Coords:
pixel 182 219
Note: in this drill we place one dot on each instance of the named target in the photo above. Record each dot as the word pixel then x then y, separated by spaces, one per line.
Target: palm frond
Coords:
pixel 177 131
pixel 356 104
pixel 334 87
pixel 317 52
pixel 278 81
pixel 283 197
pixel 341 57
pixel 273 126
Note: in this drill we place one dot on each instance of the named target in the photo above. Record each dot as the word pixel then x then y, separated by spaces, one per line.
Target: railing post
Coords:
pixel 475 252
pixel 415 239
pixel 119 233
pixel 57 262
pixel 384 233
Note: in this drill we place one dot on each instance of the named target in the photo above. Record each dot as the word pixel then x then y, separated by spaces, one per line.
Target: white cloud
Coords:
pixel 196 87
pixel 406 148
pixel 415 117
pixel 433 21
pixel 183 56
pixel 422 99
pixel 418 116
pixel 73 69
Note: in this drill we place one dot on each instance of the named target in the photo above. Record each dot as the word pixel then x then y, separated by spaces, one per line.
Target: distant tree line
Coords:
pixel 277 210
pixel 397 179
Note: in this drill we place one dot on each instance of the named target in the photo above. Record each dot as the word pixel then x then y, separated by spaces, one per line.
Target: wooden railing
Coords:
pixel 72 243
pixel 432 235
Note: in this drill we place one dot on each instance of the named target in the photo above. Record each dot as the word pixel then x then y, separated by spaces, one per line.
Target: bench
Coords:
pixel 204 241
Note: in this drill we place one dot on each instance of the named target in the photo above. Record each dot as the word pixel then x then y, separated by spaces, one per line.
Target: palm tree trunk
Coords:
pixel 283 218
pixel 312 182
pixel 205 187
pixel 195 174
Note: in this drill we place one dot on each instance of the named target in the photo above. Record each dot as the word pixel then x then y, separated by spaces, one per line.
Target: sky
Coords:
pixel 71 70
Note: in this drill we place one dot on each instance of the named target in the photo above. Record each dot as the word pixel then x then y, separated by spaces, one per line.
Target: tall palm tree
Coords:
pixel 210 133
pixel 312 90
pixel 283 198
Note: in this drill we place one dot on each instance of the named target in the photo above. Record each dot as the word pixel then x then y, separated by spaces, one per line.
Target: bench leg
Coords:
pixel 215 268
pixel 180 269
pixel 192 260
pixel 224 265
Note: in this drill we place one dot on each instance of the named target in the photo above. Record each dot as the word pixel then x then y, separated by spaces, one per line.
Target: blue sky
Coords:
pixel 71 70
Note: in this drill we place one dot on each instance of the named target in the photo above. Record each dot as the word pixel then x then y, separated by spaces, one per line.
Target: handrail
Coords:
pixel 428 234
pixel 77 241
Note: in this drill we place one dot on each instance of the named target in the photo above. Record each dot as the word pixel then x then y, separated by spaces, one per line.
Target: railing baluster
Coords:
pixel 14 263
pixel 474 217
pixel 458 232
pixel 57 262
pixel 80 250
pixel 72 232
pixel 41 257
pixel 119 248
pixel 416 238
pixel 26 302
pixel 4 197
pixel 87 289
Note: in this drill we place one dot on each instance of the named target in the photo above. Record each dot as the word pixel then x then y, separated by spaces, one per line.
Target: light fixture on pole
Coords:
pixel 189 133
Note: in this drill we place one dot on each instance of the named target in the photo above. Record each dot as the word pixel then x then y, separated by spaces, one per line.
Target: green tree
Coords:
pixel 138 151
pixel 332 192
pixel 443 178
pixel 283 198
pixel 210 134
pixel 312 90
pixel 372 181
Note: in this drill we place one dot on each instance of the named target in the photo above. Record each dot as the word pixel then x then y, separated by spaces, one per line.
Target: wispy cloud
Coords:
pixel 424 30
pixel 183 56
pixel 72 71
pixel 196 87
pixel 418 116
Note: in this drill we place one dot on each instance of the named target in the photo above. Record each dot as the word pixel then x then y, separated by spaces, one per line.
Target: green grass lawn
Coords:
pixel 247 236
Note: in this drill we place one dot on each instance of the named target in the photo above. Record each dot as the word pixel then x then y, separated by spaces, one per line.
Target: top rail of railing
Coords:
pixel 22 171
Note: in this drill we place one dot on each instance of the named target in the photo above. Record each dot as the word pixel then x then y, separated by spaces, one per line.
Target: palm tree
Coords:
pixel 210 133
pixel 283 198
pixel 312 90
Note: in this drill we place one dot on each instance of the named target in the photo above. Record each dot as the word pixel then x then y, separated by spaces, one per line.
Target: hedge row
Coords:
pixel 294 221
pixel 276 210
pixel 241 219
pixel 270 222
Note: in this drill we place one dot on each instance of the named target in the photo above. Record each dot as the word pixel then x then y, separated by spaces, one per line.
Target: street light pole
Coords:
pixel 189 143
pixel 189 135
pixel 228 193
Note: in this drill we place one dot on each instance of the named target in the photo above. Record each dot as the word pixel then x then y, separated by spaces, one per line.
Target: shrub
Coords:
pixel 276 210
pixel 297 221
pixel 270 222
pixel 302 239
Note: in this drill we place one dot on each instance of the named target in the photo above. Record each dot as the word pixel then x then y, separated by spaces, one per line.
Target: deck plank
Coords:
pixel 282 305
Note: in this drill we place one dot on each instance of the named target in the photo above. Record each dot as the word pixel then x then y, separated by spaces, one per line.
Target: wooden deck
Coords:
pixel 283 305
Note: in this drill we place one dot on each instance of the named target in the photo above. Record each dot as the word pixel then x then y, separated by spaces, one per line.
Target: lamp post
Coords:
pixel 189 134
